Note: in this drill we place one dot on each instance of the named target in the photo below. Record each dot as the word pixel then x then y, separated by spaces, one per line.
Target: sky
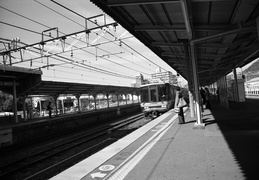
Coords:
pixel 107 55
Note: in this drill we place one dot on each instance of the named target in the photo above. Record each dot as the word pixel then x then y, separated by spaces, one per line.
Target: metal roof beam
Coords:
pixel 176 27
pixel 219 35
pixel 183 27
pixel 171 54
pixel 186 17
pixel 138 2
pixel 199 55
pixel 240 58
pixel 253 50
pixel 111 3
pixel 204 45
pixel 166 44
pixel 210 0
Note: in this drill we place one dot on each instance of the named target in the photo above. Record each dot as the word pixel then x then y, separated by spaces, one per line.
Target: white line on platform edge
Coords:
pixel 87 165
pixel 124 168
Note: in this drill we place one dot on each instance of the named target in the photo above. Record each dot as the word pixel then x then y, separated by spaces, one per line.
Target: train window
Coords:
pixel 162 93
pixel 153 95
pixel 144 94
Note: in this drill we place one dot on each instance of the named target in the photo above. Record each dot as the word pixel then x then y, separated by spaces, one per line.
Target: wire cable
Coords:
pixel 59 56
pixel 109 33
pixel 49 27
pixel 83 26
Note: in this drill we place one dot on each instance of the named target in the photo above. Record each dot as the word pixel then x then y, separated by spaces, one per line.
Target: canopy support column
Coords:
pixel 118 102
pixel 257 25
pixel 14 102
pixel 126 97
pixel 236 93
pixel 25 108
pixel 107 96
pixel 199 124
pixel 79 102
pixel 56 104
pixel 190 81
pixel 94 95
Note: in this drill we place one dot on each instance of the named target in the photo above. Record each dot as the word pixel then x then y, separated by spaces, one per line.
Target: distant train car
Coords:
pixel 157 98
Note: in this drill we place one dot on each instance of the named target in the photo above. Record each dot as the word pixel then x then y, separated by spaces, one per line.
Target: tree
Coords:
pixel 6 102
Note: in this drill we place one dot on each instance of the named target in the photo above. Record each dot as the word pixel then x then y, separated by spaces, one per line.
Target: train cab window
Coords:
pixel 162 93
pixel 144 94
pixel 153 95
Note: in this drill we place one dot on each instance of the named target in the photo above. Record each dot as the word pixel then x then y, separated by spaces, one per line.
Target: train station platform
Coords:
pixel 163 149
pixel 41 128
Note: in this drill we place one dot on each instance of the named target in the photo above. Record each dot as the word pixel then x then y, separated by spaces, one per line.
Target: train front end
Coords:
pixel 155 99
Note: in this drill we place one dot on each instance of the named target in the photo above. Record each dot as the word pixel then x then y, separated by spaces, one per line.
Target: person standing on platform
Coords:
pixel 207 95
pixel 178 105
pixel 203 96
pixel 218 94
pixel 49 108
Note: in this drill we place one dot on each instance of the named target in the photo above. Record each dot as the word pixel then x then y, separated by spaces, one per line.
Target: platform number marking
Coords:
pixel 106 168
pixel 102 168
pixel 98 174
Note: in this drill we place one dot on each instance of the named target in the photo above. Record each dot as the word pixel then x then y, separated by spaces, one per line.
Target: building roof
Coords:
pixel 29 82
pixel 254 80
pixel 52 88
pixel 220 34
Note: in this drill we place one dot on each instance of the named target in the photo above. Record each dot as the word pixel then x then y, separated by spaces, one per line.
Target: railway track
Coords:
pixel 56 156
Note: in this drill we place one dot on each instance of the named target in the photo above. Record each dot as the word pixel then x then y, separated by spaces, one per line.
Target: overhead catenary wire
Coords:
pixel 29 19
pixel 95 24
pixel 86 75
pixel 93 68
pixel 108 32
pixel 49 27
pixel 85 66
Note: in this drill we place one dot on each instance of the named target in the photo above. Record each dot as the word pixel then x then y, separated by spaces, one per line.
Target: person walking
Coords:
pixel 218 94
pixel 207 96
pixel 203 96
pixel 49 108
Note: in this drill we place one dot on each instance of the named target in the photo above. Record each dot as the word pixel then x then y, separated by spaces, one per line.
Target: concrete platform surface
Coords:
pixel 227 149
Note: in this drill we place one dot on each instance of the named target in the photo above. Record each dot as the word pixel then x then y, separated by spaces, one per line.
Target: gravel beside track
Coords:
pixel 84 150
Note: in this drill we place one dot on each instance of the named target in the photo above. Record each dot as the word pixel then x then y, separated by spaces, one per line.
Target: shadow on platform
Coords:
pixel 240 128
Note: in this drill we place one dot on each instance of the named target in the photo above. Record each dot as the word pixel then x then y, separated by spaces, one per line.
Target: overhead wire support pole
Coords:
pixel 61 37
pixel 114 35
pixel 51 29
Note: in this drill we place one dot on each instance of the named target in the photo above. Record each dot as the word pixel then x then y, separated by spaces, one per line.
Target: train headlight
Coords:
pixel 146 107
pixel 163 106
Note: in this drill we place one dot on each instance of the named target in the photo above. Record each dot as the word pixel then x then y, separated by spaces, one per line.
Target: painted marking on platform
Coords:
pixel 98 174
pixel 124 168
pixel 159 126
pixel 106 167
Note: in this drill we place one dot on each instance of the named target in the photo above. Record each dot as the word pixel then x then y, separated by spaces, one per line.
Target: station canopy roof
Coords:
pixel 29 82
pixel 220 34
pixel 52 88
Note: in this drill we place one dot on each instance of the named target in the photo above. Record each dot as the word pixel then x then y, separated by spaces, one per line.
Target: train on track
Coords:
pixel 157 98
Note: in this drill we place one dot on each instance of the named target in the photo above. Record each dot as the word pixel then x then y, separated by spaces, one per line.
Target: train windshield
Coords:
pixel 144 94
pixel 154 93
pixel 162 96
